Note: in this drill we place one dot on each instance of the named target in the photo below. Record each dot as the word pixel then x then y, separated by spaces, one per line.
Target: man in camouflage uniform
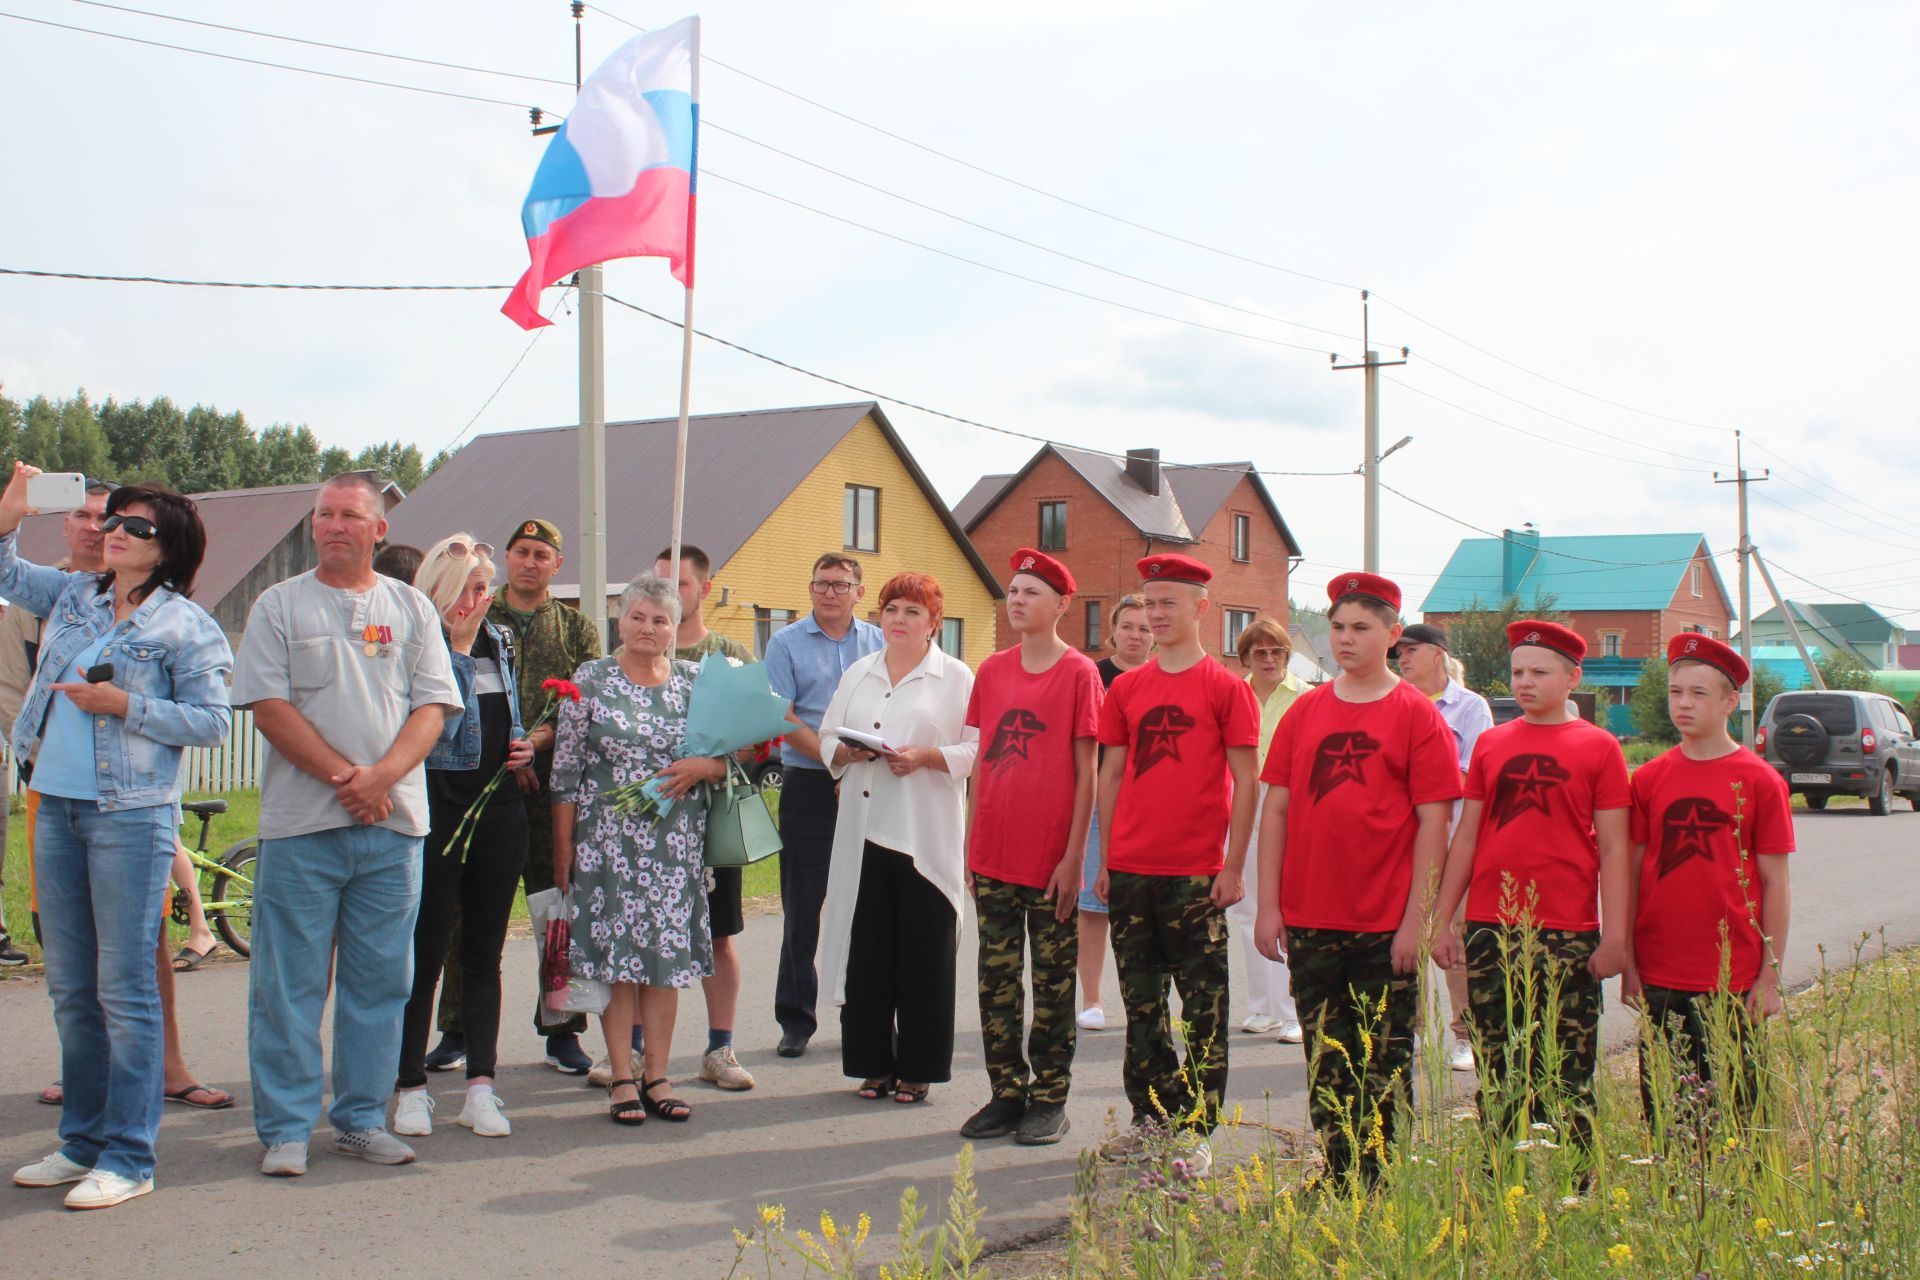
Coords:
pixel 550 642
pixel 1036 706
pixel 1539 983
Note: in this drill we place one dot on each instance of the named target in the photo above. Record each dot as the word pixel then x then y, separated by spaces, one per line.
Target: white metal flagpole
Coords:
pixel 680 440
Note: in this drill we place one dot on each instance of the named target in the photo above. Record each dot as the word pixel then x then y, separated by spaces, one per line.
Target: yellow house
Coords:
pixel 767 493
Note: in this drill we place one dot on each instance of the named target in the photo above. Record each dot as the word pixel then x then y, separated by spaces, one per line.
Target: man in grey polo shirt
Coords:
pixel 348 678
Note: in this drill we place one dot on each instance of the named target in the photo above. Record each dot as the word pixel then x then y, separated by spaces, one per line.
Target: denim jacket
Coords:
pixel 170 657
pixel 459 747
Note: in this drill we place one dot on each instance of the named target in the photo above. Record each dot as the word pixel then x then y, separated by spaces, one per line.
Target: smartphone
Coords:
pixel 57 491
pixel 100 673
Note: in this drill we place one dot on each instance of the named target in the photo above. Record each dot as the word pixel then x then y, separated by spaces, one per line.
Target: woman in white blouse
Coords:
pixel 890 931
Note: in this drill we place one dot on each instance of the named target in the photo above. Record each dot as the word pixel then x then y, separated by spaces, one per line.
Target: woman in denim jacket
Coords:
pixel 478 881
pixel 130 673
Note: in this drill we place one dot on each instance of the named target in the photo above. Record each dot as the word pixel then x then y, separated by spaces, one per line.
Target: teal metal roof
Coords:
pixel 1608 571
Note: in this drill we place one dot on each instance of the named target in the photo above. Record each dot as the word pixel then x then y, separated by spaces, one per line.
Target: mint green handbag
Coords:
pixel 740 827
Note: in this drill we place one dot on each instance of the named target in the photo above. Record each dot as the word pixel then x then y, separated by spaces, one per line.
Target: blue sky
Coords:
pixel 1703 212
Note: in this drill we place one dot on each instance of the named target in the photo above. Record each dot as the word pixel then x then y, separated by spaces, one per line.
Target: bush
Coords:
pixel 1648 707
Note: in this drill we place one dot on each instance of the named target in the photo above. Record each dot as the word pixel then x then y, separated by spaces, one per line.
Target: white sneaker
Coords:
pixel 600 1076
pixel 284 1160
pixel 1196 1151
pixel 485 1114
pixel 413 1113
pixel 1460 1056
pixel 1091 1019
pixel 1290 1032
pixel 1259 1024
pixel 103 1190
pixel 56 1170
pixel 721 1068
pixel 375 1146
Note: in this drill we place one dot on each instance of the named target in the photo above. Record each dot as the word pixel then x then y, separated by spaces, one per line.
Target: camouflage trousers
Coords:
pixel 1681 1024
pixel 1013 919
pixel 1166 930
pixel 1535 1011
pixel 1358 1016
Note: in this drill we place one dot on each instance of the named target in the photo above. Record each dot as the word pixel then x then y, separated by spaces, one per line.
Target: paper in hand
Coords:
pixel 871 741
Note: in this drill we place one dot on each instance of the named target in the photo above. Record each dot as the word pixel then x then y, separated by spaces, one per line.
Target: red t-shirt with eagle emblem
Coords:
pixel 1023 777
pixel 1688 813
pixel 1539 786
pixel 1176 796
pixel 1354 772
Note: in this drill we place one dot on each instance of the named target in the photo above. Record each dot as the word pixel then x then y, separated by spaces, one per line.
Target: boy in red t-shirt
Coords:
pixel 1711 832
pixel 1037 707
pixel 1544 831
pixel 1176 808
pixel 1361 779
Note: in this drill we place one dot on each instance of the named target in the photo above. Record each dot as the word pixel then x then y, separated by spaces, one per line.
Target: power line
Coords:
pixel 1534 546
pixel 277 66
pixel 1890 611
pixel 1864 537
pixel 1598 453
pixel 1858 502
pixel 525 351
pixel 253 284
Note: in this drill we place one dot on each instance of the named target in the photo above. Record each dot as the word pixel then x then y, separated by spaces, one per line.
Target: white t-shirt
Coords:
pixel 356 664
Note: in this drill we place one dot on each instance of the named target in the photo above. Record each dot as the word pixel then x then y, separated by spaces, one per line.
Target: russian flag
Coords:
pixel 617 180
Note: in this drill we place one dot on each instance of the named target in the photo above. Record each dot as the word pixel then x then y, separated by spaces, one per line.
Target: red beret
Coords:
pixel 1044 567
pixel 1694 647
pixel 1370 585
pixel 1174 568
pixel 1548 635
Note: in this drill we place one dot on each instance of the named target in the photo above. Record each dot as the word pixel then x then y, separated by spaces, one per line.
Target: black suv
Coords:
pixel 1842 742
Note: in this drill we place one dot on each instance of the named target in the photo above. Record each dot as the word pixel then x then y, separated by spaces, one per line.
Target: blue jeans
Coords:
pixel 101 877
pixel 361 886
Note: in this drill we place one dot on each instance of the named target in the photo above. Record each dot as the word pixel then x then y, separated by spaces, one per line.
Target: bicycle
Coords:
pixel 228 897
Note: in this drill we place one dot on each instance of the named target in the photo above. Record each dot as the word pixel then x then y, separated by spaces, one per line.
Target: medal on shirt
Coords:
pixel 377 639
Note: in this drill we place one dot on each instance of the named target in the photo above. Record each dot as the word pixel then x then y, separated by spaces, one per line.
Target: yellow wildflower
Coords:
pixel 1620 1255
pixel 1440 1236
pixel 860 1230
pixel 1733 1142
pixel 1621 1200
pixel 1859 1210
pixel 1761 1226
pixel 774 1215
pixel 1540 1236
pixel 827 1227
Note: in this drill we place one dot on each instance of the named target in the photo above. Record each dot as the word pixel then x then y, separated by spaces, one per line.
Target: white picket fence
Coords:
pixel 234 765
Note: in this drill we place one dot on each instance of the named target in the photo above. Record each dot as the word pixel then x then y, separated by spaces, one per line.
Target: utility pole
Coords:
pixel 1741 478
pixel 1370 468
pixel 1793 628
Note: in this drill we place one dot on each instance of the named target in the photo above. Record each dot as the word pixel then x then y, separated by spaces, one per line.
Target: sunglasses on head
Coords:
pixel 136 526
pixel 460 550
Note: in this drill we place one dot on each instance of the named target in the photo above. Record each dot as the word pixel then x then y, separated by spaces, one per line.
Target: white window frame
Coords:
pixel 1242 538
pixel 850 519
pixel 1231 632
pixel 1696 581
pixel 1618 641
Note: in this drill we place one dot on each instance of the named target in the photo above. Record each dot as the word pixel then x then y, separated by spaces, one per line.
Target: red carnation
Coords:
pixel 562 689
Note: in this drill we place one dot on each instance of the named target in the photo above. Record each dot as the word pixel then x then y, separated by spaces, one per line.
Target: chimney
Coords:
pixel 1143 468
pixel 1518 550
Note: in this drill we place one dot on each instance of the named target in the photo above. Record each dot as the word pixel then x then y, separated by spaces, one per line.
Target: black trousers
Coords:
pixel 898 1018
pixel 1692 1027
pixel 482 889
pixel 808 808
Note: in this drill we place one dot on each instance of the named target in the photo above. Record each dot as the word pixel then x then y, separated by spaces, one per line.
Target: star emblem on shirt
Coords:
pixel 1014 735
pixel 1686 831
pixel 1524 783
pixel 1158 737
pixel 1341 757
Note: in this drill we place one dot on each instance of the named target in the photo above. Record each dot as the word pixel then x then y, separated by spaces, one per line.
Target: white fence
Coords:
pixel 234 765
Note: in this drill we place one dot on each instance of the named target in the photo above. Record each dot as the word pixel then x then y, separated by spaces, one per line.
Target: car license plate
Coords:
pixel 1810 779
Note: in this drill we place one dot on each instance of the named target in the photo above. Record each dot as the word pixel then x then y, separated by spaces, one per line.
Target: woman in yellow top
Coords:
pixel 1264 649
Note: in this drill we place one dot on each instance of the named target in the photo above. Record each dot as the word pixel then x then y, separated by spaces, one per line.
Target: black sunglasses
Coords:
pixel 136 526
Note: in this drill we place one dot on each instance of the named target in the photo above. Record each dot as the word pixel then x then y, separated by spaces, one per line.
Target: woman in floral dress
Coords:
pixel 639 883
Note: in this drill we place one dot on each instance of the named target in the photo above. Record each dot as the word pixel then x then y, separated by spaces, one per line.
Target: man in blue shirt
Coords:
pixel 804 663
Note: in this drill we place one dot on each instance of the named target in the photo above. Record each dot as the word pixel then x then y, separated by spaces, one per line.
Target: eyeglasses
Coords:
pixel 460 550
pixel 136 526
pixel 829 587
pixel 1263 654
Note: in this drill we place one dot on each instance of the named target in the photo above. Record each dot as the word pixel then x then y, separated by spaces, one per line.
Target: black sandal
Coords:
pixel 875 1089
pixel 908 1094
pixel 627 1113
pixel 667 1108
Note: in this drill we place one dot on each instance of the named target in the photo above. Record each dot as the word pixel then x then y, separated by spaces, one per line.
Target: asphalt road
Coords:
pixel 570 1189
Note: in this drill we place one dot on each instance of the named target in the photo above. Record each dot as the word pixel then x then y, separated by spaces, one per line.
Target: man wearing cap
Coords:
pixel 1422 653
pixel 550 640
pixel 1711 831
pixel 1361 780
pixel 1176 810
pixel 1037 708
pixel 1540 861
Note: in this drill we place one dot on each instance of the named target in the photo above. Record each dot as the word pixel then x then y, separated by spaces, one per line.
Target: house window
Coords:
pixel 1093 624
pixel 1243 538
pixel 1713 633
pixel 1694 581
pixel 765 623
pixel 862 518
pixel 953 637
pixel 1053 526
pixel 1238 620
pixel 1610 642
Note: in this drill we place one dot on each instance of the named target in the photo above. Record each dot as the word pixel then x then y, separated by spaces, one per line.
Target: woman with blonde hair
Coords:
pixel 1132 643
pixel 477 882
pixel 1264 649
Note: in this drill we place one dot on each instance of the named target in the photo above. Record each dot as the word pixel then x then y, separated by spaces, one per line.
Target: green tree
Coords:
pixel 1648 709
pixel 39 441
pixel 1842 669
pixel 334 460
pixel 400 463
pixel 11 421
pixel 1767 685
pixel 149 441
pixel 83 445
pixel 221 448
pixel 286 455
pixel 1478 636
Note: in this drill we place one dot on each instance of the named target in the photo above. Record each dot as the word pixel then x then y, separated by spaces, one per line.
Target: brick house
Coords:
pixel 1626 594
pixel 1099 514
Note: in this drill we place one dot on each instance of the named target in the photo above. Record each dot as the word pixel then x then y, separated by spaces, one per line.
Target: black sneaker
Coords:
pixel 565 1055
pixel 995 1120
pixel 450 1054
pixel 11 955
pixel 1044 1124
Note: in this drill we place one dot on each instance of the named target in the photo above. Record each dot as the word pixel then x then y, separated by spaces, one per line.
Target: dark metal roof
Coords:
pixel 975 500
pixel 1201 489
pixel 740 468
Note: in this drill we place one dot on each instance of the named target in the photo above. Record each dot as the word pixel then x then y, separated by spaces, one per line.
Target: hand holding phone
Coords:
pixel 99 673
pixel 57 491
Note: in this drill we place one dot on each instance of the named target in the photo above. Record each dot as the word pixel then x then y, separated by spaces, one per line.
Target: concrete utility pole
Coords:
pixel 1793 628
pixel 591 561
pixel 1741 478
pixel 1370 468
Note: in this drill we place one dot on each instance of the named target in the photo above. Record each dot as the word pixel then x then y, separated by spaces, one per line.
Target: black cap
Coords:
pixel 1421 633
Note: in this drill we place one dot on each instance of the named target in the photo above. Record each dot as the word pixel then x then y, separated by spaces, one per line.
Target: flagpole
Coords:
pixel 680 439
